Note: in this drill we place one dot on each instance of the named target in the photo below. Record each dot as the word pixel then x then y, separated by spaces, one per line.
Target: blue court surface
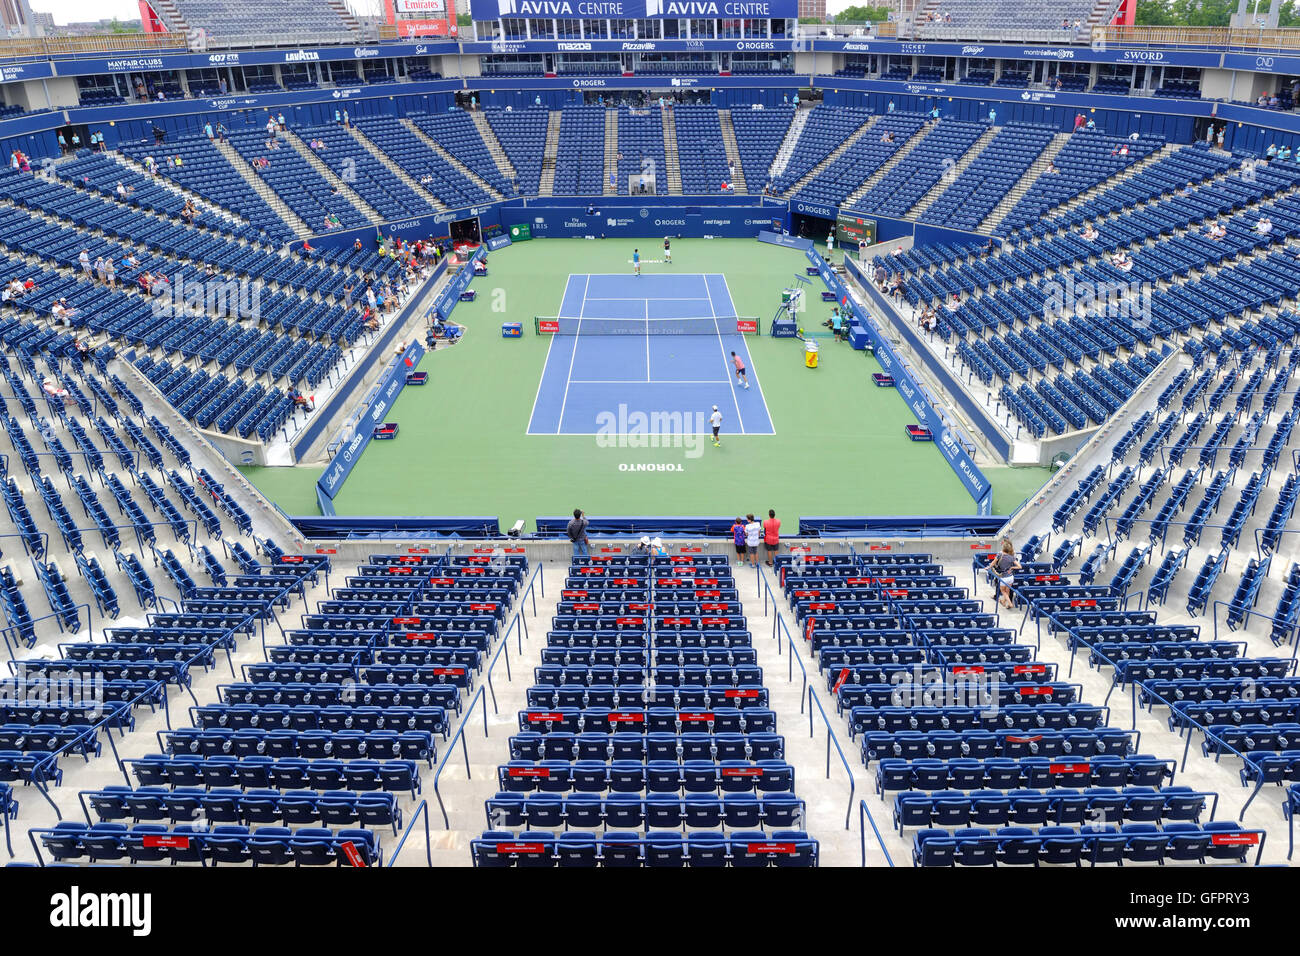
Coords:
pixel 595 381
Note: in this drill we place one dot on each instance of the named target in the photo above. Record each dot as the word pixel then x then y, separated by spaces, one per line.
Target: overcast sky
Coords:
pixel 73 11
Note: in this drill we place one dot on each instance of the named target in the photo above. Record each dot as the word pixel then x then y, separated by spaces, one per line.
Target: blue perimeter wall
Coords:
pixel 390 385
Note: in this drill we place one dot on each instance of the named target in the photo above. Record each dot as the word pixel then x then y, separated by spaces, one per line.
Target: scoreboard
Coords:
pixel 850 229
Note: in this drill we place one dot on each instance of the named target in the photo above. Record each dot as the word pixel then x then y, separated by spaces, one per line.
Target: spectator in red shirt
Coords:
pixel 771 536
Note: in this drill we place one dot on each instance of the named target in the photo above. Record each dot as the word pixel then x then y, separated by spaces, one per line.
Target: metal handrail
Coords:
pixel 1291 808
pixel 779 625
pixel 421 810
pixel 451 746
pixel 865 812
pixel 832 739
pixel 34 47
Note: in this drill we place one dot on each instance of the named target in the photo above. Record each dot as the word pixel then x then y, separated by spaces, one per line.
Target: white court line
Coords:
pixel 750 372
pixel 647 340
pixel 657 381
pixel 735 396
pixel 545 365
pixel 569 377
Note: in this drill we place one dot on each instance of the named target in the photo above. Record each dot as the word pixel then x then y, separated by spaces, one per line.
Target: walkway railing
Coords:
pixel 864 814
pixel 421 810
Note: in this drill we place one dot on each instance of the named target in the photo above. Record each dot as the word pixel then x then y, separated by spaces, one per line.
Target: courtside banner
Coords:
pixel 972 479
pixel 451 294
pixel 650 220
pixel 783 239
pixel 385 394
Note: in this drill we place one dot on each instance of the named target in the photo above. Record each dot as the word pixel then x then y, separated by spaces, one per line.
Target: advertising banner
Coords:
pixel 385 394
pixel 634 9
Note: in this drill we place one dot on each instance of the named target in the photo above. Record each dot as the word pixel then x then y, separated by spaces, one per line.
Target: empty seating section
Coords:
pixel 983 184
pixel 206 172
pixel 522 134
pixel 207 293
pixel 121 493
pixel 1207 522
pixel 303 189
pixel 580 156
pixel 312 756
pixel 939 149
pixel 1045 323
pixel 826 129
pixel 700 149
pixel 641 150
pixel 364 174
pixel 1089 158
pixel 759 134
pixel 299 21
pixel 984 748
pixel 647 739
pixel 455 132
pixel 976 19
pixel 862 159
pixel 424 165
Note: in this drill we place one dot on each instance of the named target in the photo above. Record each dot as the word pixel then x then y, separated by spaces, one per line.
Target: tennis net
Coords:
pixel 695 325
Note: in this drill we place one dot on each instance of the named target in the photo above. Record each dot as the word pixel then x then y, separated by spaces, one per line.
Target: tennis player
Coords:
pixel 739 362
pixel 668 252
pixel 636 262
pixel 716 421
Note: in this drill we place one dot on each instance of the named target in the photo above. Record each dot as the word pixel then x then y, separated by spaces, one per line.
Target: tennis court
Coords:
pixel 831 436
pixel 651 353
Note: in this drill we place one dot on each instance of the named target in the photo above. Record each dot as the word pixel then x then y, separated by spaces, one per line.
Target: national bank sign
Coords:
pixel 632 9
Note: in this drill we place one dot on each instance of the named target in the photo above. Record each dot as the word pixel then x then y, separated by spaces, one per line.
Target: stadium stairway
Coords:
pixel 829 160
pixel 168 10
pixel 396 169
pixel 672 162
pixel 1009 201
pixel 951 176
pixel 460 167
pixel 495 149
pixel 259 186
pixel 549 153
pixel 733 151
pixel 323 169
pixel 898 156
pixel 786 149
pixel 610 183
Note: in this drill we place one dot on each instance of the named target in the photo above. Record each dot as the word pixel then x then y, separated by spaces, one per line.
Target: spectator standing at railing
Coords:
pixel 577 532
